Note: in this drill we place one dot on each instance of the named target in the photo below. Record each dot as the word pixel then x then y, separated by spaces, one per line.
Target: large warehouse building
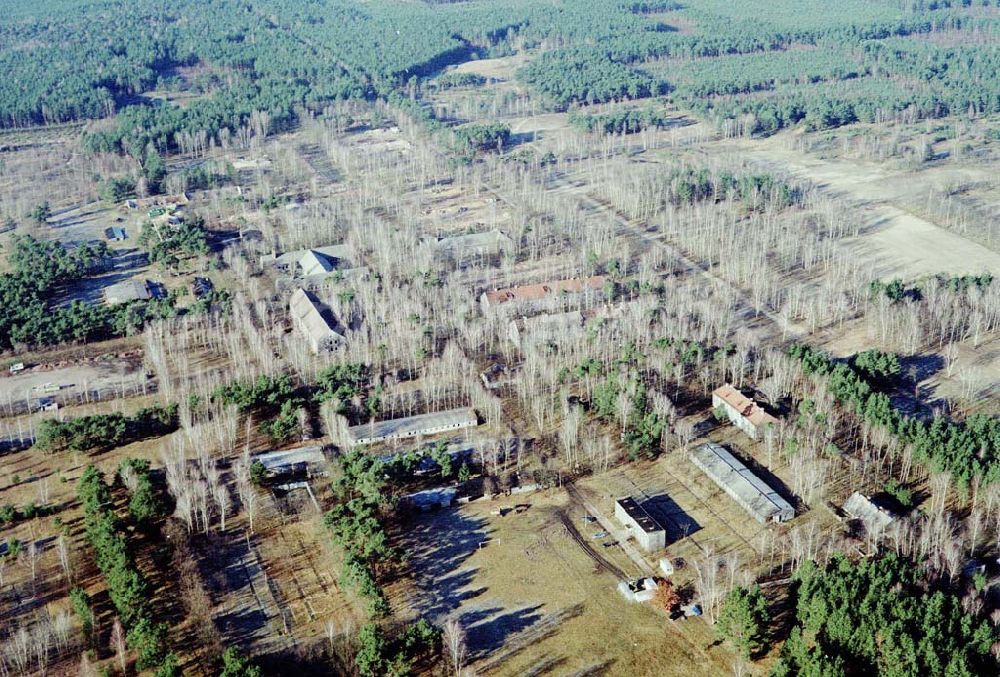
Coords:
pixel 412 426
pixel 743 486
pixel 308 319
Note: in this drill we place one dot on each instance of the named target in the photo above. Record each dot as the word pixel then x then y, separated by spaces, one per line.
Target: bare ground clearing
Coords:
pixel 72 385
pixel 502 68
pixel 903 243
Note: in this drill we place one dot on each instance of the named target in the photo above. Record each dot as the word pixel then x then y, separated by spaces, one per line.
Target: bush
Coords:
pixel 877 365
pixel 116 189
pixel 235 664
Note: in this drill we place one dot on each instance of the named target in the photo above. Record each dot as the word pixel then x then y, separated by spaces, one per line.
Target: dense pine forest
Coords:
pixel 786 64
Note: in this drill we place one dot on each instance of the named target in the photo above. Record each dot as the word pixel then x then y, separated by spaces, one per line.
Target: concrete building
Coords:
pixel 310 321
pixel 535 293
pixel 412 426
pixel 752 493
pixel 875 518
pixel 470 246
pixel 300 461
pixel 545 328
pixel 126 292
pixel 639 590
pixel 743 412
pixel 641 526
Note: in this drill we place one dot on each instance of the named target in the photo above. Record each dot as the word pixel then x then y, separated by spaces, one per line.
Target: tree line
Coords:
pixel 968 450
pixel 127 587
pixel 99 432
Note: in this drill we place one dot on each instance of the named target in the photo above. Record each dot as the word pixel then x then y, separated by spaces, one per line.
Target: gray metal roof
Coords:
pixel 335 256
pixel 858 506
pixel 305 311
pixel 274 461
pixel 430 498
pixel 741 484
pixel 128 290
pixel 414 425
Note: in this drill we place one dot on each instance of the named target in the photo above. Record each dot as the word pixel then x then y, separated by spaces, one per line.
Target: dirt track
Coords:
pixel 588 548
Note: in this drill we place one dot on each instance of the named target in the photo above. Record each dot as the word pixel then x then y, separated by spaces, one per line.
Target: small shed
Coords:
pixel 116 234
pixel 126 292
pixel 862 508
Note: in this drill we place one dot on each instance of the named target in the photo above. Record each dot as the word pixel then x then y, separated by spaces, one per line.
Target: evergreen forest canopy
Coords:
pixel 775 64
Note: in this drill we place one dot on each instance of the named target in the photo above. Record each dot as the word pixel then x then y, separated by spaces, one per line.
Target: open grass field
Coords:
pixel 535 602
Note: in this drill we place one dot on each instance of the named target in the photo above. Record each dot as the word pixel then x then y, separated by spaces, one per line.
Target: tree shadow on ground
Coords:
pixel 228 572
pixel 490 629
pixel 438 545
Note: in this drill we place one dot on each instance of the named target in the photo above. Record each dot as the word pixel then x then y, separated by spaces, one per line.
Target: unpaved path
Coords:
pixel 616 532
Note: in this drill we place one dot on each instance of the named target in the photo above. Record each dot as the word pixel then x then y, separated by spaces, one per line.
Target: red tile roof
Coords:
pixel 537 292
pixel 748 408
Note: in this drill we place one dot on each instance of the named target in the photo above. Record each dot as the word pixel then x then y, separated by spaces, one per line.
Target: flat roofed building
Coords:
pixel 647 531
pixel 875 518
pixel 430 499
pixel 309 321
pixel 412 426
pixel 126 292
pixel 743 412
pixel 539 292
pixel 752 493
pixel 471 245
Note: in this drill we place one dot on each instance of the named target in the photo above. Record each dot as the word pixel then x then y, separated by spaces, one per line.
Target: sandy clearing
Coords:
pixel 72 382
pixel 909 246
pixel 502 68
pixel 533 602
pixel 539 123
pixel 902 243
